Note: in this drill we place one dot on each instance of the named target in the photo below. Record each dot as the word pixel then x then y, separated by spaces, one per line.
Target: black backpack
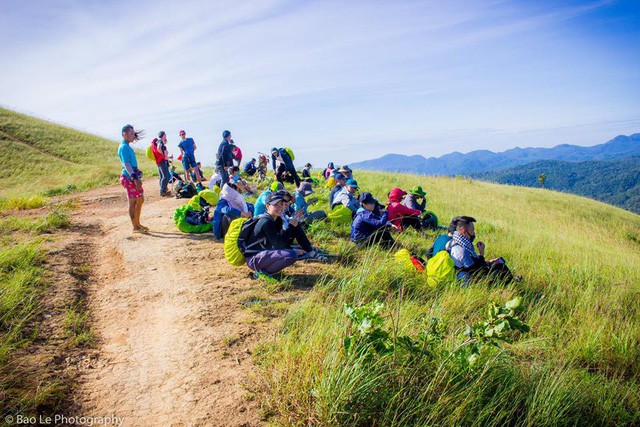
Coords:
pixel 246 244
pixel 187 191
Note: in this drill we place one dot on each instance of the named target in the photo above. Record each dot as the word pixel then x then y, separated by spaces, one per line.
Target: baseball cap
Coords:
pixel 367 198
pixel 182 132
pixel 339 176
pixel 352 183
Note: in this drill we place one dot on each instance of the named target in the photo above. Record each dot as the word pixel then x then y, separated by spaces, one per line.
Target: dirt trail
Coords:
pixel 173 341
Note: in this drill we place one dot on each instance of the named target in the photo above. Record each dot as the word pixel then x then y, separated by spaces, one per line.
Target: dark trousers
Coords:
pixel 223 174
pixel 292 173
pixel 163 170
pixel 272 261
pixel 381 237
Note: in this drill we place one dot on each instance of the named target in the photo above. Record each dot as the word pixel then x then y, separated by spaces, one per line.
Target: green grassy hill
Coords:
pixel 39 157
pixel 578 365
pixel 580 259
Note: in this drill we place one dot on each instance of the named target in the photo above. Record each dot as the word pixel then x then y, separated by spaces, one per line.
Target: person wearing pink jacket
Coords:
pixel 400 215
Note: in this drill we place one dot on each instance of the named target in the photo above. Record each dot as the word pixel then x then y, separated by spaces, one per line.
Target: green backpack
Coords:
pixel 149 153
pixel 182 224
pixel 290 152
pixel 231 249
pixel 440 268
pixel 340 215
pixel 236 245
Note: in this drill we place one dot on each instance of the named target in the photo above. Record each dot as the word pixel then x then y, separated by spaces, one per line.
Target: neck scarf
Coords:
pixel 465 243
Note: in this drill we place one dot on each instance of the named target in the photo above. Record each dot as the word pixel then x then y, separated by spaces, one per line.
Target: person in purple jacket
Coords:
pixel 370 225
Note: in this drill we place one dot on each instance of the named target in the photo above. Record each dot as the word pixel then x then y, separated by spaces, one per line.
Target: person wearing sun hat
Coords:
pixel 416 198
pixel 346 171
pixel 346 196
pixel 370 225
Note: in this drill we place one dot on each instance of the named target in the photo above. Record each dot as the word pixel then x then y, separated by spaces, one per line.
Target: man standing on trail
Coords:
pixel 131 176
pixel 224 158
pixel 188 151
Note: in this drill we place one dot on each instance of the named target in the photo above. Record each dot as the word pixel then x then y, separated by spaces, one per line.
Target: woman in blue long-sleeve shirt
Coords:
pixel 370 226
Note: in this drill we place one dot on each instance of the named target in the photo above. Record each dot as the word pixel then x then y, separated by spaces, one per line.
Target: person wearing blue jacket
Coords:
pixel 370 225
pixel 224 157
pixel 261 202
pixel 285 164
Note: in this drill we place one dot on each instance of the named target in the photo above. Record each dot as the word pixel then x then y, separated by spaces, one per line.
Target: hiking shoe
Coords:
pixel 317 256
pixel 264 276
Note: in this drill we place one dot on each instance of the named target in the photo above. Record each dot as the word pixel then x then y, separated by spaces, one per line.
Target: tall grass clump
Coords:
pixel 575 362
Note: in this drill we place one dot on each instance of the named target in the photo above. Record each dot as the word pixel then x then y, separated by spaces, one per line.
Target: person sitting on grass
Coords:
pixel 301 205
pixel 341 181
pixel 469 263
pixel 198 170
pixel 416 199
pixel 250 168
pixel 306 173
pixel 400 215
pixel 371 225
pixel 175 176
pixel 241 184
pixel 328 171
pixel 261 202
pixel 231 205
pixel 346 196
pixel 268 249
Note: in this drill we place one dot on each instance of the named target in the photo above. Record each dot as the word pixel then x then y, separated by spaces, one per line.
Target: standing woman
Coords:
pixel 131 176
pixel 162 160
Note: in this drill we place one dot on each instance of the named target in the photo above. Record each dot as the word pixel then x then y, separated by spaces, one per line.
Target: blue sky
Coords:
pixel 333 80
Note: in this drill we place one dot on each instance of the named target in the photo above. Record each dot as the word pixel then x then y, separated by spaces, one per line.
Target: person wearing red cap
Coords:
pixel 188 148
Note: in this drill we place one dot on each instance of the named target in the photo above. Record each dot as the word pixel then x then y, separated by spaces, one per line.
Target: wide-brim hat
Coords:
pixel 418 191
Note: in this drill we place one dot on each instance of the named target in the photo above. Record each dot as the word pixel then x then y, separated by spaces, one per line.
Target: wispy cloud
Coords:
pixel 327 78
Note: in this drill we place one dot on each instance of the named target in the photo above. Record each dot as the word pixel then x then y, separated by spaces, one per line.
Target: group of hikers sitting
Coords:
pixel 278 219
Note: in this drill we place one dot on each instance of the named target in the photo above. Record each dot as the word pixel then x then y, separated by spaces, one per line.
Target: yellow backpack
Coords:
pixel 340 215
pixel 331 182
pixel 290 152
pixel 440 268
pixel 149 153
pixel 231 249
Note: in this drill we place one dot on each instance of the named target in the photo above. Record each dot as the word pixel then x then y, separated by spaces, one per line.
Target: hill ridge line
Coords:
pixel 11 138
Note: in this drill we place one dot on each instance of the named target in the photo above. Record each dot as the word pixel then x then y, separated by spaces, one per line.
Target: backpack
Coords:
pixel 441 244
pixel 151 150
pixel 236 244
pixel 410 262
pixel 180 219
pixel 187 191
pixel 290 153
pixel 340 215
pixel 440 268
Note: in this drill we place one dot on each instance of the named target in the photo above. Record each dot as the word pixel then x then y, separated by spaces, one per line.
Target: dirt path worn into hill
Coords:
pixel 173 341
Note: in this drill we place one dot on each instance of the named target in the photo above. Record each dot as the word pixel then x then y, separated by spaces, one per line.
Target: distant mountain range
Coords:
pixel 484 160
pixel 612 181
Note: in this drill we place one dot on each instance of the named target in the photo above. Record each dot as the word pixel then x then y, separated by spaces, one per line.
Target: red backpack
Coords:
pixel 159 157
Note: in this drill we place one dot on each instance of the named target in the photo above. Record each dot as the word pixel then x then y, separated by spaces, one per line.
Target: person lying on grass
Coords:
pixel 269 246
pixel 371 225
pixel 469 263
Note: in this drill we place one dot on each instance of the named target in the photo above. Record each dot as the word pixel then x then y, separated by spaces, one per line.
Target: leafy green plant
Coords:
pixel 368 337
